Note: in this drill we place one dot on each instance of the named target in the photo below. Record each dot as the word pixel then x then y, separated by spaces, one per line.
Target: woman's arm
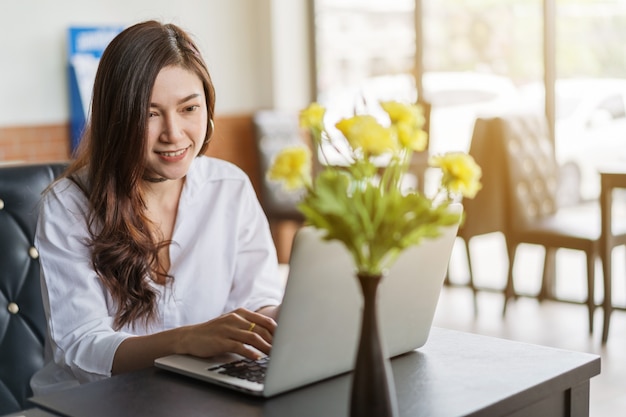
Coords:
pixel 269 311
pixel 242 331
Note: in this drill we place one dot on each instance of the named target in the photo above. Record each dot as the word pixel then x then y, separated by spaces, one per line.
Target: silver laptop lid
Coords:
pixel 320 317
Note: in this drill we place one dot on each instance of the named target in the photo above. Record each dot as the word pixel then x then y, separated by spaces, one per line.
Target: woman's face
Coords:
pixel 177 123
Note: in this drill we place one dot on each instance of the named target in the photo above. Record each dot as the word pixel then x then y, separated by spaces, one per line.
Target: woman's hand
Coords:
pixel 242 331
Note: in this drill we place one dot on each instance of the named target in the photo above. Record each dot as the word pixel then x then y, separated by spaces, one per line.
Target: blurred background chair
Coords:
pixel 485 213
pixel 22 321
pixel 275 130
pixel 535 215
pixel 613 234
pixel 533 201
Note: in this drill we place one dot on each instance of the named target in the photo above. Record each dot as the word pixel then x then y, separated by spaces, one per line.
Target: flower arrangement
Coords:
pixel 366 207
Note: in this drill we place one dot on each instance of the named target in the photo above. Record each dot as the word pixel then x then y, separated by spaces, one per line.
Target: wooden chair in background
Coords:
pixel 520 198
pixel 613 234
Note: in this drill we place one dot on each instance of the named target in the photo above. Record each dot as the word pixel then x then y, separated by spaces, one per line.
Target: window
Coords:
pixel 478 57
pixel 591 86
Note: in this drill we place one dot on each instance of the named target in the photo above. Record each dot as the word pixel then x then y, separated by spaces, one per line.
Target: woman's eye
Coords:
pixel 191 108
pixel 152 114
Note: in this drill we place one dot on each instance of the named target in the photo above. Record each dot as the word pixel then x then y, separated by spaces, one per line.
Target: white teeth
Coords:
pixel 170 154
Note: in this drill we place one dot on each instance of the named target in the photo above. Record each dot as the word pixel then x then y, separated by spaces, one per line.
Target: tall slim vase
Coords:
pixel 373 390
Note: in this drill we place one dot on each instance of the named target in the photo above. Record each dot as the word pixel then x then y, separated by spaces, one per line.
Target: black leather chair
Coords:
pixel 22 321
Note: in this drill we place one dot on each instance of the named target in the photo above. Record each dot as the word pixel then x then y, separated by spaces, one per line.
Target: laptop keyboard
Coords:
pixel 248 369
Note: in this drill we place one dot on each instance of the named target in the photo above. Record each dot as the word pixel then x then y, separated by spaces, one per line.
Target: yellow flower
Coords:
pixel 408 122
pixel 461 174
pixel 292 167
pixel 363 205
pixel 313 117
pixel 411 138
pixel 365 133
pixel 410 114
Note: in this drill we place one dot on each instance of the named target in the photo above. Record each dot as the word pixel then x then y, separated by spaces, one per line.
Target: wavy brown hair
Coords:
pixel 109 165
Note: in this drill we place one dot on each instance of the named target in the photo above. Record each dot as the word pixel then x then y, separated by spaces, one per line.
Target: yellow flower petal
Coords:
pixel 411 138
pixel 292 167
pixel 461 174
pixel 313 117
pixel 404 113
pixel 366 134
pixel 408 122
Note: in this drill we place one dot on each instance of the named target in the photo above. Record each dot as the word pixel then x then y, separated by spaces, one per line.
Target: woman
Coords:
pixel 147 247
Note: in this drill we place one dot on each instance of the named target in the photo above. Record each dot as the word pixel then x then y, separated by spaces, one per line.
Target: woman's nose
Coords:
pixel 172 129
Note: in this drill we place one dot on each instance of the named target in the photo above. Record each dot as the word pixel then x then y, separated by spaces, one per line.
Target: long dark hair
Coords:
pixel 112 154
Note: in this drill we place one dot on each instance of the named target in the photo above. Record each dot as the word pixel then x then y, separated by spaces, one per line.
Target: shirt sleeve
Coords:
pixel 77 307
pixel 257 280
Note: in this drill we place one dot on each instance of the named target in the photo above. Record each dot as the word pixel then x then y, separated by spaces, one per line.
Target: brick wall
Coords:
pixel 34 143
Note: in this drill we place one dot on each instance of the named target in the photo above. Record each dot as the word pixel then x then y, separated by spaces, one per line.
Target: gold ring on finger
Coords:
pixel 251 326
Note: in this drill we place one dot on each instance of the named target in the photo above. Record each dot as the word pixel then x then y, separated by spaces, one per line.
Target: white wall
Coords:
pixel 236 38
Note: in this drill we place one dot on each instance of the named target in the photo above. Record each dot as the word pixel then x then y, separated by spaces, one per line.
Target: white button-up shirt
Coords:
pixel 222 257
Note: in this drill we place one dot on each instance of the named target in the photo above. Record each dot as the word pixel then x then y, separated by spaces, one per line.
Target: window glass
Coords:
pixel 590 90
pixel 480 57
pixel 365 52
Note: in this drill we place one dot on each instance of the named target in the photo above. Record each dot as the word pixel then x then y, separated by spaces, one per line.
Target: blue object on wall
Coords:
pixel 85 47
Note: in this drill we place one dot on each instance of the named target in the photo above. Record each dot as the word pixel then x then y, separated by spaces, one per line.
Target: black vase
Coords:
pixel 373 392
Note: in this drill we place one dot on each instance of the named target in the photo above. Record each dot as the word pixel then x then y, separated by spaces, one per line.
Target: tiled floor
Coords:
pixel 557 324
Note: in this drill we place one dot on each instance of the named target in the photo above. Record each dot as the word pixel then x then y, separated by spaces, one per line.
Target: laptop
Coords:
pixel 320 317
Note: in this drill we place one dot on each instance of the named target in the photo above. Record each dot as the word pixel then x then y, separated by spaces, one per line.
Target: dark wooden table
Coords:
pixel 454 374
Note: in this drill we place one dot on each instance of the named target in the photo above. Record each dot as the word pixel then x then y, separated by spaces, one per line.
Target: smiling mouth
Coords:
pixel 173 153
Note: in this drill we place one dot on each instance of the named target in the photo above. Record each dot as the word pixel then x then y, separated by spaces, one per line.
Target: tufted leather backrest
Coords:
pixel 522 180
pixel 22 321
pixel 533 172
